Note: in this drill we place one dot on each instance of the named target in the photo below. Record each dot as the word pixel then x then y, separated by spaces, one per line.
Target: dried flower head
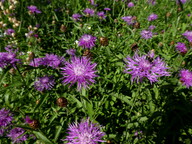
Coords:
pixel 84 132
pixel 79 70
pixel 87 41
pixel 44 83
pixel 145 66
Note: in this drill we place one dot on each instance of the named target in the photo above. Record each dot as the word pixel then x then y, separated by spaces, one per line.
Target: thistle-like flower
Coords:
pixel 5 120
pixel 186 77
pixel 84 132
pixel 188 35
pixel 44 83
pixel 33 9
pixel 145 34
pixel 152 17
pixel 181 47
pixel 89 12
pixel 15 135
pixel 79 70
pixel 87 41
pixel 145 66
pixel 76 17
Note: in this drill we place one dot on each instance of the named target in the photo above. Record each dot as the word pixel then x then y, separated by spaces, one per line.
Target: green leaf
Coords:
pixel 42 137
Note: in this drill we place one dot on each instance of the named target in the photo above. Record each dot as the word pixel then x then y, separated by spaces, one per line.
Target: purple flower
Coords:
pixel 9 31
pixel 5 120
pixel 84 132
pixel 33 9
pixel 71 52
pixel 130 4
pixel 44 83
pixel 87 41
pixel 76 17
pixel 15 135
pixel 28 120
pixel 188 35
pixel 89 12
pixel 152 17
pixel 53 61
pixel 7 59
pixel 10 49
pixel 79 70
pixel 101 15
pixel 92 2
pixel 36 62
pixel 145 66
pixel 151 27
pixel 181 48
pixel 107 9
pixel 152 2
pixel 145 34
pixel 186 77
pixel 129 19
pixel 182 1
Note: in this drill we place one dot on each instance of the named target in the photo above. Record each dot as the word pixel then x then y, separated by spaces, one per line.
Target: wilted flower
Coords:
pixel 76 17
pixel 87 41
pixel 145 66
pixel 7 59
pixel 9 31
pixel 129 19
pixel 188 35
pixel 152 17
pixel 101 15
pixel 79 70
pixel 130 4
pixel 186 77
pixel 44 83
pixel 89 12
pixel 33 9
pixel 145 34
pixel 15 135
pixel 181 48
pixel 84 132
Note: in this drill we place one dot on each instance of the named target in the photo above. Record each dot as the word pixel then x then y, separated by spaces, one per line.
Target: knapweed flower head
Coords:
pixel 152 2
pixel 151 27
pixel 84 132
pixel 101 15
pixel 107 9
pixel 79 70
pixel 9 31
pixel 146 34
pixel 76 17
pixel 71 52
pixel 36 62
pixel 7 59
pixel 33 9
pixel 188 35
pixel 53 61
pixel 130 20
pixel 44 83
pixel 89 12
pixel 130 4
pixel 181 47
pixel 145 66
pixel 152 17
pixel 92 2
pixel 87 41
pixel 182 1
pixel 186 77
pixel 5 120
pixel 15 135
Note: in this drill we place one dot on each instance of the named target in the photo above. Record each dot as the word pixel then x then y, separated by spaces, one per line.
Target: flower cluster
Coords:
pixel 49 60
pixel 145 66
pixel 79 70
pixel 84 132
pixel 186 77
